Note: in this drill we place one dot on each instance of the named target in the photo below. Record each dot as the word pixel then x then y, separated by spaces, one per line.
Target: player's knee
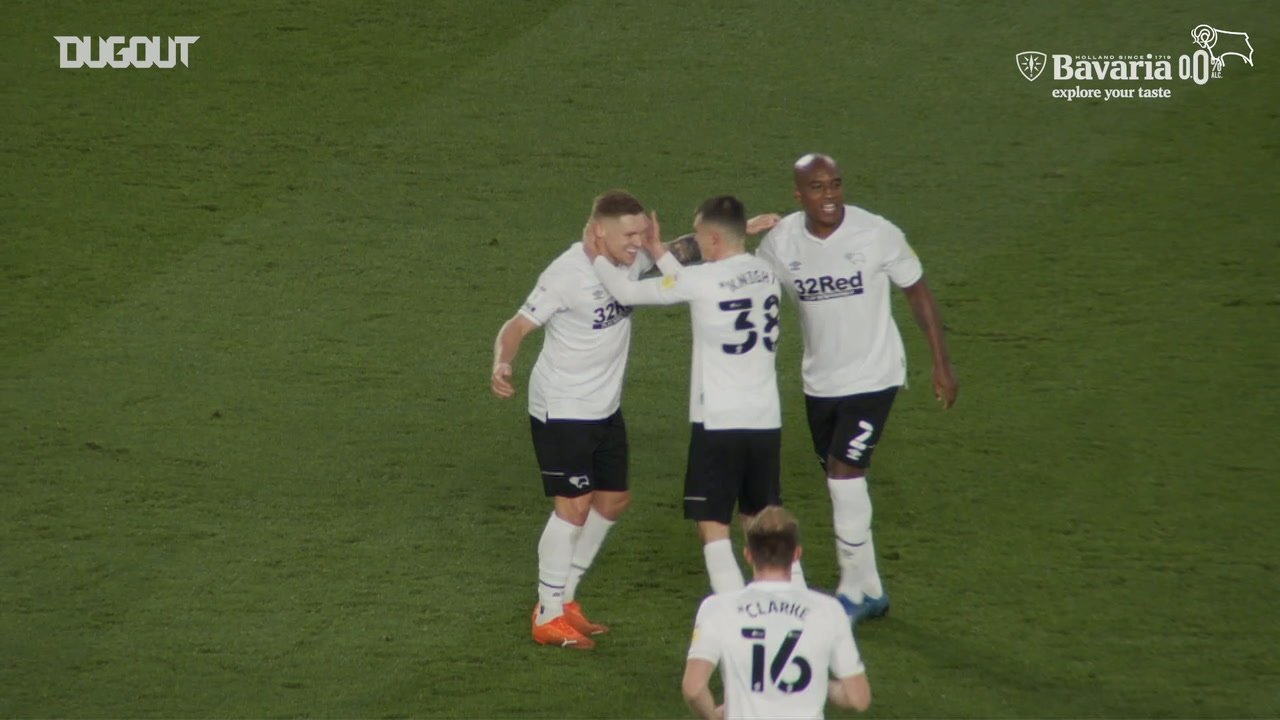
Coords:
pixel 612 504
pixel 838 469
pixel 574 510
pixel 710 531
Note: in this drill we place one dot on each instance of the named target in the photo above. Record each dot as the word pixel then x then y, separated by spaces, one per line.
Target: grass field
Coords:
pixel 251 466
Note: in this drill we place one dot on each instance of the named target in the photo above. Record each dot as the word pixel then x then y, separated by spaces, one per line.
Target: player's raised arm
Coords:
pixel 622 282
pixel 765 251
pixel 652 291
pixel 665 290
pixel 505 348
pixel 669 257
pixel 762 223
pixel 684 249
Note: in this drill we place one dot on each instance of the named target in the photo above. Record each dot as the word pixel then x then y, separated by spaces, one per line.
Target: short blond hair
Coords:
pixel 772 537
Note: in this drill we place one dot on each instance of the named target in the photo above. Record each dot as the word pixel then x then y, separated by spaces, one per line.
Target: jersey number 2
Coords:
pixel 743 322
pixel 779 663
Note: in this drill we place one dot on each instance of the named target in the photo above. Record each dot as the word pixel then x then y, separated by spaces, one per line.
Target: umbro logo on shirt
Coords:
pixel 827 287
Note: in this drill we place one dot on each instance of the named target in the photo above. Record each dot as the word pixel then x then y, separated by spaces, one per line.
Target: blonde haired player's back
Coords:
pixel 776 646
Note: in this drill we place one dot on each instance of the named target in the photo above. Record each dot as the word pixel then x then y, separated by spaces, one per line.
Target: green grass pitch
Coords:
pixel 251 466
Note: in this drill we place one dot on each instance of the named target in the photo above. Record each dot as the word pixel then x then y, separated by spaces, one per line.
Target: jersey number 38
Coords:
pixel 744 322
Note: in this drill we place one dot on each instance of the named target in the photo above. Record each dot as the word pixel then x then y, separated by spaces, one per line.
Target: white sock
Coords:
pixel 871 585
pixel 585 549
pixel 797 576
pixel 855 551
pixel 722 566
pixel 555 553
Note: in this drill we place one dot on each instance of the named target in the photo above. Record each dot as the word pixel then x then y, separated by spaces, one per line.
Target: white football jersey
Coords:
pixel 578 374
pixel 776 646
pixel 733 306
pixel 851 343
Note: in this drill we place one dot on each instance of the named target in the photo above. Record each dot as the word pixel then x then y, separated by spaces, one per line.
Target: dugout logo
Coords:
pixel 117 51
pixel 1216 51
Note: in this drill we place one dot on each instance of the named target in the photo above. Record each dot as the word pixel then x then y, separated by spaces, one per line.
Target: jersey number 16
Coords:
pixel 779 663
pixel 743 322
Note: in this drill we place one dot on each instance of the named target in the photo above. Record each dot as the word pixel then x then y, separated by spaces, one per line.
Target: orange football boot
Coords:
pixel 560 632
pixel 579 621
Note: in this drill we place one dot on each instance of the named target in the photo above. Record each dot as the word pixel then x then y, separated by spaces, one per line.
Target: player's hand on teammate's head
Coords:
pixel 593 243
pixel 653 238
pixel 719 714
pixel 762 223
pixel 945 385
pixel 589 241
pixel 500 381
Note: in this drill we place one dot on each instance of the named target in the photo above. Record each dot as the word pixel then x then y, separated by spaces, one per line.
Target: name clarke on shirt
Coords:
pixel 774 607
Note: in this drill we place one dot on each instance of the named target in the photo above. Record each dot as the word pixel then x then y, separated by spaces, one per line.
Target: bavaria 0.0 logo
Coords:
pixel 1207 62
pixel 117 51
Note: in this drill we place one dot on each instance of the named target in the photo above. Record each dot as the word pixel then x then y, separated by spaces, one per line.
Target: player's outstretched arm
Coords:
pixel 675 256
pixel 697 693
pixel 670 257
pixel 505 348
pixel 685 249
pixel 652 291
pixel 762 223
pixel 925 309
pixel 850 692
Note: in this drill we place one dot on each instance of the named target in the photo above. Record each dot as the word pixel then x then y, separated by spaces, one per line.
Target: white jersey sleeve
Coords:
pixel 669 265
pixel 900 262
pixel 641 265
pixel 666 290
pixel 706 643
pixel 546 299
pixel 766 251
